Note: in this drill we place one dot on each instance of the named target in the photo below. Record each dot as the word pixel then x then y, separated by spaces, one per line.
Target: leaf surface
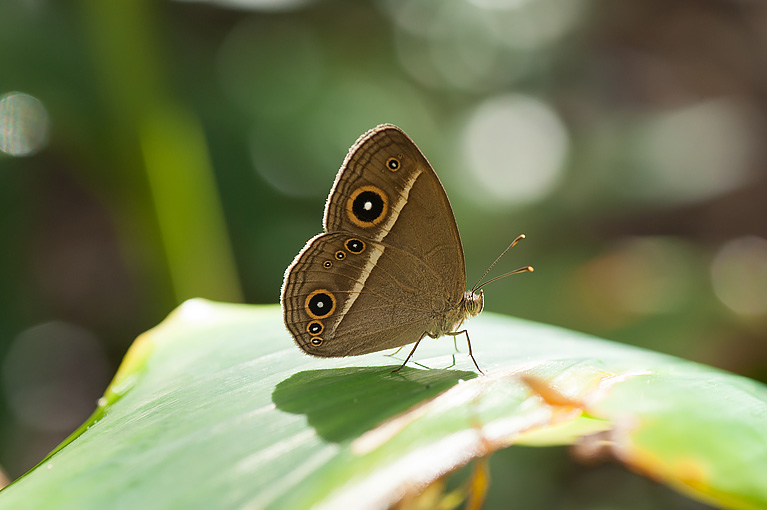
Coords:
pixel 216 408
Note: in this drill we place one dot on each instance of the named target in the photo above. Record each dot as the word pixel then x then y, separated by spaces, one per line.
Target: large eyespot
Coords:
pixel 355 245
pixel 367 206
pixel 340 255
pixel 315 328
pixel 327 264
pixel 392 164
pixel 320 304
pixel 316 341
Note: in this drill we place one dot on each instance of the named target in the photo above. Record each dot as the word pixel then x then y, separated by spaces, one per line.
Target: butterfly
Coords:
pixel 389 269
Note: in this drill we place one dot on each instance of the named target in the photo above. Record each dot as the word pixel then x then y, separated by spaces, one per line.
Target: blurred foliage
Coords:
pixel 158 150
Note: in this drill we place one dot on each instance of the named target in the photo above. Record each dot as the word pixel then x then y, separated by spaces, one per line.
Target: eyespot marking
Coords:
pixel 315 328
pixel 393 164
pixel 320 304
pixel 327 264
pixel 367 206
pixel 340 255
pixel 316 341
pixel 355 245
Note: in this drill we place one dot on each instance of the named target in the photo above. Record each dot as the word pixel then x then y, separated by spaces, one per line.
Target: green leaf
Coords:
pixel 216 408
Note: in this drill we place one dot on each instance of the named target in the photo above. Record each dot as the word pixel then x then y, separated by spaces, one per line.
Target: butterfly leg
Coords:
pixel 395 352
pixel 465 332
pixel 409 355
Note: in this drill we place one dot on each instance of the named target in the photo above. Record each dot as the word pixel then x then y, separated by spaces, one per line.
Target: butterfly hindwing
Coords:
pixel 346 295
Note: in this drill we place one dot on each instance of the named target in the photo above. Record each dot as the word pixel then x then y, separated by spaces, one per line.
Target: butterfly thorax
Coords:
pixel 470 305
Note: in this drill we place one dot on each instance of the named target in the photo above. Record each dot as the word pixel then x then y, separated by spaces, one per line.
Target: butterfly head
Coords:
pixel 473 302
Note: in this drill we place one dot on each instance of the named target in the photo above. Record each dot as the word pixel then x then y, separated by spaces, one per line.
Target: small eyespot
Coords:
pixel 327 264
pixel 315 328
pixel 393 164
pixel 320 304
pixel 316 341
pixel 355 245
pixel 340 255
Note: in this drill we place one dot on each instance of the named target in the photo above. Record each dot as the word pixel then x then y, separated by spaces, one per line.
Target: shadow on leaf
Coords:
pixel 342 403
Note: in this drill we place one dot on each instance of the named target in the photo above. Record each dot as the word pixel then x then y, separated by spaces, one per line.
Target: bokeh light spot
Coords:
pixel 515 146
pixel 24 124
pixel 499 4
pixel 532 24
pixel 258 5
pixel 695 152
pixel 53 375
pixel 448 45
pixel 739 275
pixel 478 45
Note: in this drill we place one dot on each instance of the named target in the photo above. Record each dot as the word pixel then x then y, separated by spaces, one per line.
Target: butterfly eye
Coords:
pixel 355 245
pixel 315 328
pixel 327 264
pixel 340 255
pixel 367 206
pixel 316 341
pixel 320 304
pixel 392 164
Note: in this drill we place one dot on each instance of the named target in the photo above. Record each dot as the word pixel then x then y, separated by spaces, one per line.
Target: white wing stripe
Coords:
pixel 376 251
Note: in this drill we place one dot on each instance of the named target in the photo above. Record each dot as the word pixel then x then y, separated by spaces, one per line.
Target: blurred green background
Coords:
pixel 154 151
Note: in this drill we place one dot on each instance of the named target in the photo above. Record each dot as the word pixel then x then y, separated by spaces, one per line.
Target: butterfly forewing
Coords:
pixel 386 172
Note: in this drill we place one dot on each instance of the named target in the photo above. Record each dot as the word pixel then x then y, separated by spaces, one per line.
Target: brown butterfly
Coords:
pixel 389 269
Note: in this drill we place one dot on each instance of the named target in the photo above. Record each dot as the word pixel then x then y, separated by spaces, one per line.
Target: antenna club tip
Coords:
pixel 522 236
pixel 530 268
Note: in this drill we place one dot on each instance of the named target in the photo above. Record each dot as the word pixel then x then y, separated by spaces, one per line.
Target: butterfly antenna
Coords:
pixel 477 286
pixel 525 269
